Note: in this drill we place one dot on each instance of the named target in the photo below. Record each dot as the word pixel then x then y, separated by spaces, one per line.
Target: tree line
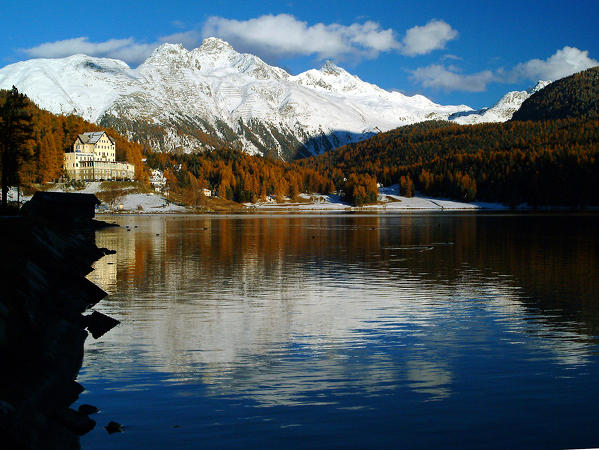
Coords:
pixel 234 175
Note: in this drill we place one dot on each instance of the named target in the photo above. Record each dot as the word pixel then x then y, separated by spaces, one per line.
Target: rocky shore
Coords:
pixel 45 319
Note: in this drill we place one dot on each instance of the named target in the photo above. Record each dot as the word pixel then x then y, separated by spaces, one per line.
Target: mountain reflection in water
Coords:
pixel 373 317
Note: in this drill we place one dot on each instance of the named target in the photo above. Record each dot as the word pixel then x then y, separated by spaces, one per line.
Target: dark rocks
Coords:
pixel 6 408
pixel 64 208
pixel 76 421
pixel 42 330
pixel 114 427
pixel 64 392
pixel 98 324
pixel 87 409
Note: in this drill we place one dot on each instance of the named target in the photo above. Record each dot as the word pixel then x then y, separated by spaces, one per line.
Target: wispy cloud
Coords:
pixel 178 24
pixel 421 40
pixel 562 63
pixel 452 57
pixel 448 79
pixel 126 49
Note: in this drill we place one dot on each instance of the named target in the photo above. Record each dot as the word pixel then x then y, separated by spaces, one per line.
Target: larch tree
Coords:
pixel 16 132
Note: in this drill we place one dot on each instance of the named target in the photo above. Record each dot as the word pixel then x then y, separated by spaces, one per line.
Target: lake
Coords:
pixel 346 330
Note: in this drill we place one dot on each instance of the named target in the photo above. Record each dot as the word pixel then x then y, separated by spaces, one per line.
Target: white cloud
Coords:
pixel 283 35
pixel 125 49
pixel 561 64
pixel 424 39
pixel 448 79
pixel 271 37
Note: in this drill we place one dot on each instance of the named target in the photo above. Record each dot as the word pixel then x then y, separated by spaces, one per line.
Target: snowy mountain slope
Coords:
pixel 78 84
pixel 178 97
pixel 502 111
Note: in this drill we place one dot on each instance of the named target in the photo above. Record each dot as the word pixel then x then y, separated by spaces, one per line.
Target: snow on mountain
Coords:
pixel 502 111
pixel 177 97
pixel 78 84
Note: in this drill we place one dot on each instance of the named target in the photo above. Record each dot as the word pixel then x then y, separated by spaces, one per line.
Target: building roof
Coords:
pixel 92 137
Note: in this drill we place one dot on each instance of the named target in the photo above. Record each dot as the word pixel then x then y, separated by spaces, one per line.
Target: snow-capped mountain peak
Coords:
pixel 329 67
pixel 214 45
pixel 334 79
pixel 173 56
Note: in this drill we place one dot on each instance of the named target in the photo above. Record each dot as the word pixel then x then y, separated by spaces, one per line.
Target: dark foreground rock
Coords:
pixel 42 327
pixel 114 427
pixel 87 409
pixel 99 324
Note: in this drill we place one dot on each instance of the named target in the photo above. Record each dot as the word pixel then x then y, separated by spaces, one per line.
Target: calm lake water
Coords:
pixel 342 330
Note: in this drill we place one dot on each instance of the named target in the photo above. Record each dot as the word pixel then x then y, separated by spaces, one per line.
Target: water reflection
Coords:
pixel 368 315
pixel 275 308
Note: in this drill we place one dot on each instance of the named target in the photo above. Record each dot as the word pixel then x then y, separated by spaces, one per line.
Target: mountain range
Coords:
pixel 182 101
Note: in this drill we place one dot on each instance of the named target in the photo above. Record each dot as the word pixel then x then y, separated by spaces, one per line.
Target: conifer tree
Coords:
pixel 16 132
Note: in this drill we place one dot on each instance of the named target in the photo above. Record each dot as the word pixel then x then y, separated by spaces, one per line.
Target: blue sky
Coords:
pixel 468 52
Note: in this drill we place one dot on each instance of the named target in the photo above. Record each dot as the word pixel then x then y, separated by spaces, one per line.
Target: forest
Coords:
pixel 234 175
pixel 552 162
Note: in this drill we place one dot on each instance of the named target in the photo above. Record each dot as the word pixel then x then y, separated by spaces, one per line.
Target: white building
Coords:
pixel 94 158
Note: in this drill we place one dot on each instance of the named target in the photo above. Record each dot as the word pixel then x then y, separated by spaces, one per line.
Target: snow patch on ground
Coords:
pixel 388 200
pixel 140 203
pixel 145 203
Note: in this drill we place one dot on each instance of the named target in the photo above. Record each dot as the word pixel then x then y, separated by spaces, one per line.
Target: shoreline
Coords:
pixel 389 202
pixel 354 211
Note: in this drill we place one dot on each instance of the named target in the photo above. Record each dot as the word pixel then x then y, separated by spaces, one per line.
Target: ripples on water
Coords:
pixel 346 330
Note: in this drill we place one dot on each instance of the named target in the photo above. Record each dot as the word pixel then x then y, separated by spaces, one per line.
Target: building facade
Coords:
pixel 94 159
